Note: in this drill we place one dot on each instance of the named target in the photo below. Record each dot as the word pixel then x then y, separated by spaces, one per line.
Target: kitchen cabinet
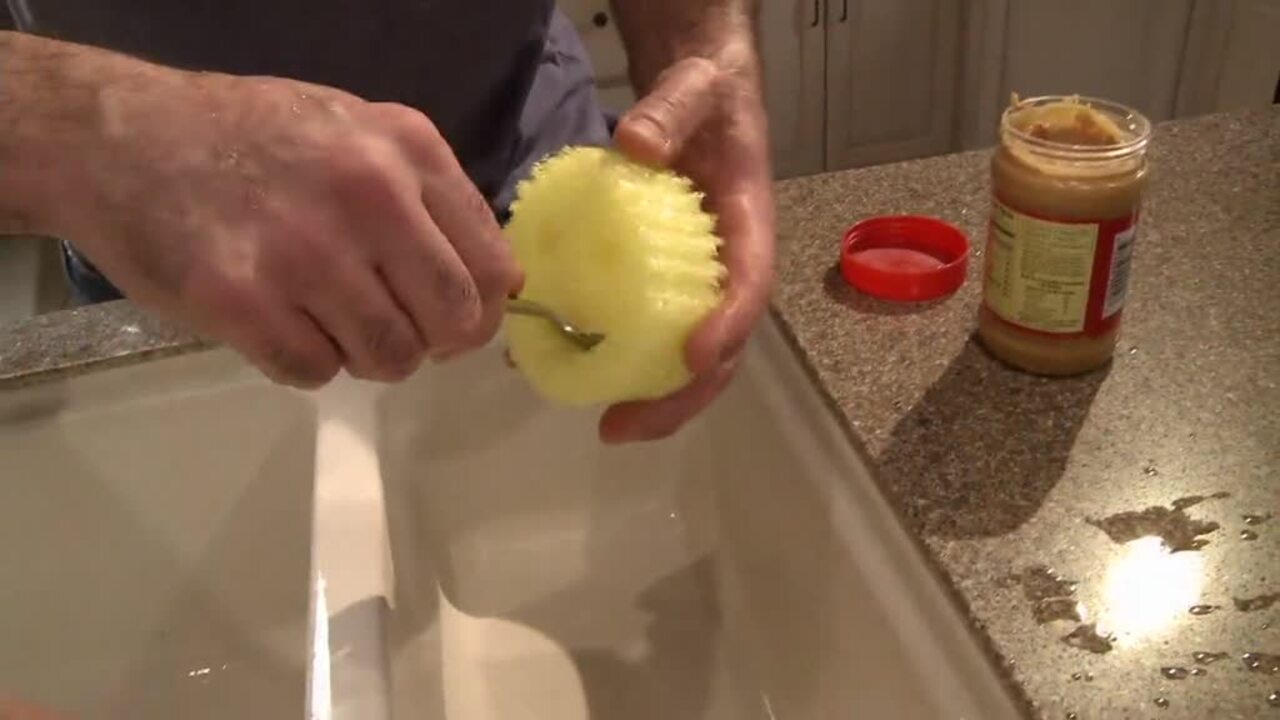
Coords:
pixel 1130 52
pixel 1232 56
pixel 1167 58
pixel 859 82
pixel 890 79
pixel 594 21
pixel 793 45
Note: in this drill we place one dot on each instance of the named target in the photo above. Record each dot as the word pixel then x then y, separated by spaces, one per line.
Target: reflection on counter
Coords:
pixel 1148 588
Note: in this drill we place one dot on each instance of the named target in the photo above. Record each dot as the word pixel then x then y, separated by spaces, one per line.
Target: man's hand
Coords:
pixel 701 113
pixel 306 228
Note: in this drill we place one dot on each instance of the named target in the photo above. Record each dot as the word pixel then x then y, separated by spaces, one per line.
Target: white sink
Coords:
pixel 484 558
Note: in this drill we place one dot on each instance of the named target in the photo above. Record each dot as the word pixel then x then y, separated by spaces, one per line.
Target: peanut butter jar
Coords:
pixel 1067 182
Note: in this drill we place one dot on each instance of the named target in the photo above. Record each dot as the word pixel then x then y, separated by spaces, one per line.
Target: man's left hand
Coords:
pixel 705 119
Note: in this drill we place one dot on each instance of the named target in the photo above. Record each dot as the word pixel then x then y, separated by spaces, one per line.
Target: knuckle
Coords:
pixel 700 67
pixel 394 346
pixel 287 366
pixel 458 292
pixel 479 207
pixel 411 122
pixel 497 277
pixel 363 169
pixel 414 131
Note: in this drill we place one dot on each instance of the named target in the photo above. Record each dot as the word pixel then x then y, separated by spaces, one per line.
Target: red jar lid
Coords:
pixel 904 258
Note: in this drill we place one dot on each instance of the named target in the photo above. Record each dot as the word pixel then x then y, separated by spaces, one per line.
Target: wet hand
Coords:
pixel 306 228
pixel 706 120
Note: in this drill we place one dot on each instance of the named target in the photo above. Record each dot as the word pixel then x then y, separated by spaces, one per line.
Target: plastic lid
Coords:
pixel 904 258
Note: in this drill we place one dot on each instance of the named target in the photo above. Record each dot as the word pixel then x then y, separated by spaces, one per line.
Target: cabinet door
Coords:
pixel 792 47
pixel 594 21
pixel 1129 52
pixel 891 79
pixel 1232 59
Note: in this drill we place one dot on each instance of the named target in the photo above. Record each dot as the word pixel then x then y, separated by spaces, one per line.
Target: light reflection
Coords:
pixel 1148 589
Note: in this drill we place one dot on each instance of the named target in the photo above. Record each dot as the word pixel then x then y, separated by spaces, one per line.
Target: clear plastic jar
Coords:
pixel 1067 182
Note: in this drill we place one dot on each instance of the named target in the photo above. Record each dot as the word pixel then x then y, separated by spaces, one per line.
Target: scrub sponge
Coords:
pixel 616 248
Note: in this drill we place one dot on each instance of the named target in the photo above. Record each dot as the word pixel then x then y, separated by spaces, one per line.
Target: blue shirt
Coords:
pixel 506 81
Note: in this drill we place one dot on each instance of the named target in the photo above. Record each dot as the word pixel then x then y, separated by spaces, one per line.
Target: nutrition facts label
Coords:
pixel 1039 271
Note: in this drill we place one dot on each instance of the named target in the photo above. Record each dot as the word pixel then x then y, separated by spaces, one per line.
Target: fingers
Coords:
pixel 285 343
pixel 658 419
pixel 658 127
pixel 377 338
pixel 466 220
pixel 463 217
pixel 747 225
pixel 434 285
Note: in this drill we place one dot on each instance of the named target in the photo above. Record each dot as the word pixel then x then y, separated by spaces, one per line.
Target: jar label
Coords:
pixel 1059 278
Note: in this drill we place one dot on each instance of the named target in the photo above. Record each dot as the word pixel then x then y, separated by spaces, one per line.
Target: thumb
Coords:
pixel 657 128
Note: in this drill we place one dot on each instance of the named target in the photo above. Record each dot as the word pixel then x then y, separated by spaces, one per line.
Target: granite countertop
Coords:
pixel 1042 501
pixel 1028 491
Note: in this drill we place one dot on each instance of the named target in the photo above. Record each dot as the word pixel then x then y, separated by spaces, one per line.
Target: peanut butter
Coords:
pixel 1067 183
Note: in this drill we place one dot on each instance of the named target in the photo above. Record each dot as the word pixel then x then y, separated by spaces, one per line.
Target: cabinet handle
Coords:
pixel 844 10
pixel 817 14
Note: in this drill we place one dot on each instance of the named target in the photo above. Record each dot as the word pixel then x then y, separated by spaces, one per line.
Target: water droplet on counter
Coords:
pixel 1261 662
pixel 1253 604
pixel 1248 535
pixel 1198 671
pixel 1063 608
pixel 1072 716
pixel 1174 673
pixel 1087 637
pixel 1161 703
pixel 1255 519
pixel 1077 676
pixel 1150 470
pixel 1088 677
pixel 1133 350
pixel 1202 609
pixel 1052 597
pixel 1208 658
pixel 1183 503
pixel 1274 698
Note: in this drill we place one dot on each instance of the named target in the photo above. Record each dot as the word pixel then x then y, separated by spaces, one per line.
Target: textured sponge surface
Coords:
pixel 616 248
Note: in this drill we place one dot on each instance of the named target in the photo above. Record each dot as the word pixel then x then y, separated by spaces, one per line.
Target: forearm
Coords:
pixel 51 93
pixel 658 33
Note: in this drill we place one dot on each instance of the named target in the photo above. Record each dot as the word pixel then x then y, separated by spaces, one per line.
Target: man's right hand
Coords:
pixel 306 228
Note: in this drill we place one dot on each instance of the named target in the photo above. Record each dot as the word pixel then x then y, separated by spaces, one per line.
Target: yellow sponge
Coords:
pixel 616 248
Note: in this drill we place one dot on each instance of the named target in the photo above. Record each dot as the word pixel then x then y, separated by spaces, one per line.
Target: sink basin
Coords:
pixel 154 543
pixel 481 556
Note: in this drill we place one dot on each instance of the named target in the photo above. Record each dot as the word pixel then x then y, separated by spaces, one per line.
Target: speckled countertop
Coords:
pixel 1042 500
pixel 1000 473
